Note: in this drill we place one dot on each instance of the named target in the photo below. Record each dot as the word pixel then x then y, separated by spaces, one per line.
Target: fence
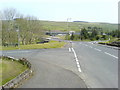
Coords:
pixel 20 78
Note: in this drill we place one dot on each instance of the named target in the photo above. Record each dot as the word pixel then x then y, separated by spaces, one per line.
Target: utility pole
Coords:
pixel 68 23
pixel 109 34
pixel 18 32
pixel 80 32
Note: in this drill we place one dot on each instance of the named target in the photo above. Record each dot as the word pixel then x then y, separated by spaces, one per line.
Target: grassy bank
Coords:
pixel 9 70
pixel 51 44
pixel 112 42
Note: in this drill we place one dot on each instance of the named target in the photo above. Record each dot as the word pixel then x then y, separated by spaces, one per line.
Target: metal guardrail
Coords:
pixel 20 78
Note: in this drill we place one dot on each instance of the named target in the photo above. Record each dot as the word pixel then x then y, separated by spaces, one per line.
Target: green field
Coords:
pixel 51 44
pixel 75 26
pixel 10 69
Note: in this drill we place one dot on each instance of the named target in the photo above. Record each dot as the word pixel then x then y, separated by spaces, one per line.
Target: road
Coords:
pixel 53 68
pixel 99 64
pixel 82 64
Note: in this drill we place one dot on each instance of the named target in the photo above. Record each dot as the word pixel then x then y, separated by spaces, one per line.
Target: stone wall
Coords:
pixel 20 78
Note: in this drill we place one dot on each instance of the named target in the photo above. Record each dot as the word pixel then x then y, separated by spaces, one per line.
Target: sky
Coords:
pixel 60 10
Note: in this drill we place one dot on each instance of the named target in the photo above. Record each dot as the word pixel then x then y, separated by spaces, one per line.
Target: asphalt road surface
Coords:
pixel 77 65
pixel 53 68
pixel 99 64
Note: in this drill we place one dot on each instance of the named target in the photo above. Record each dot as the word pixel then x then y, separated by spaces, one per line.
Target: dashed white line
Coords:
pixel 90 46
pixel 69 49
pixel 97 49
pixel 79 69
pixel 111 55
pixel 78 65
pixel 77 62
pixel 86 45
pixel 72 49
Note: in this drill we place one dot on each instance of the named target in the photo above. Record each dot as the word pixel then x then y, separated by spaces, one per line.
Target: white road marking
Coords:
pixel 77 62
pixel 78 65
pixel 69 49
pixel 90 46
pixel 75 55
pixel 79 69
pixel 72 49
pixel 97 49
pixel 86 45
pixel 111 55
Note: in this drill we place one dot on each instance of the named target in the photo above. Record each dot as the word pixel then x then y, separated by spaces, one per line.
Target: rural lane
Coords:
pixel 82 64
pixel 53 68
pixel 99 64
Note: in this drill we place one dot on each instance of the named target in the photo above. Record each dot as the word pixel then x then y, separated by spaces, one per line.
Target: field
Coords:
pixel 9 70
pixel 75 26
pixel 51 44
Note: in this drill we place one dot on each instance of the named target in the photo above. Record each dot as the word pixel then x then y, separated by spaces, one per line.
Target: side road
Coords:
pixel 53 68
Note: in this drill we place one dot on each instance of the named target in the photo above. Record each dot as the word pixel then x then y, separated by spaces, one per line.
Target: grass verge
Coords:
pixel 9 70
pixel 51 44
pixel 110 41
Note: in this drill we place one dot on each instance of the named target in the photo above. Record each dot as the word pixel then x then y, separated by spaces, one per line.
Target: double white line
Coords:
pixel 76 59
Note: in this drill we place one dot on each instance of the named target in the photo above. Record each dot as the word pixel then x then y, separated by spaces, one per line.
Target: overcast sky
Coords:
pixel 60 10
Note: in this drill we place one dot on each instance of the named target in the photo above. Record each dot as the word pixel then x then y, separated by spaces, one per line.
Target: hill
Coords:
pixel 75 26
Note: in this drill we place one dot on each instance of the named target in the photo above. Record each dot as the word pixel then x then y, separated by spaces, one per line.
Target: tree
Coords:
pixel 9 35
pixel 67 37
pixel 10 14
pixel 115 33
pixel 30 28
pixel 94 33
pixel 72 36
pixel 84 34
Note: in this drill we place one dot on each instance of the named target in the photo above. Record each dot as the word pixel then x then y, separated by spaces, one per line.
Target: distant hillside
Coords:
pixel 80 21
pixel 75 26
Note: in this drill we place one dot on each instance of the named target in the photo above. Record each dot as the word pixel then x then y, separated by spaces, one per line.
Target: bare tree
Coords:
pixel 0 28
pixel 10 13
pixel 30 29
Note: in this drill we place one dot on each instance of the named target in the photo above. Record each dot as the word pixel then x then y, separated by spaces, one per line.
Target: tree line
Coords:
pixel 93 33
pixel 19 28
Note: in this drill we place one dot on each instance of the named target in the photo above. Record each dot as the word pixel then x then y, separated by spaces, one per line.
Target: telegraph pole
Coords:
pixel 18 32
pixel 80 32
pixel 68 23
